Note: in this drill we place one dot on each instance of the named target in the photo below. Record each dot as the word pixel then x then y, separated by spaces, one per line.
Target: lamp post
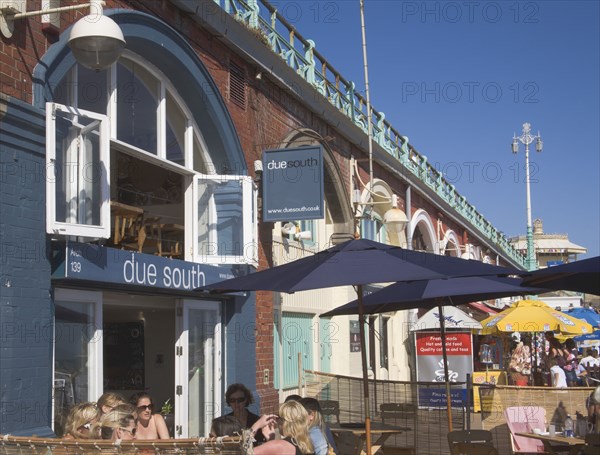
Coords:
pixel 528 138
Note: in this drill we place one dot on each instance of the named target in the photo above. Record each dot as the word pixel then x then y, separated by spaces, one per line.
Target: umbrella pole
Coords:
pixel 445 359
pixel 361 323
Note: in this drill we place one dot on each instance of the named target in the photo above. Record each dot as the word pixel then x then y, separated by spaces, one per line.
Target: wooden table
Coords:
pixel 383 432
pixel 167 237
pixel 557 443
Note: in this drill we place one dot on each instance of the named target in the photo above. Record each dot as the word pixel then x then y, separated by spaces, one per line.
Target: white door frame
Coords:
pixel 213 348
pixel 95 353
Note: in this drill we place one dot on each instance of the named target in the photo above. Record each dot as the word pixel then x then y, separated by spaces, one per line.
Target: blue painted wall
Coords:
pixel 25 304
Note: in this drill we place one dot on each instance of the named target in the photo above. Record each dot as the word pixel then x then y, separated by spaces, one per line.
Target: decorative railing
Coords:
pixel 301 55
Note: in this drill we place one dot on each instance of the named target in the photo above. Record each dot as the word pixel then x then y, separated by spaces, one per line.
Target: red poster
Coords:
pixel 430 343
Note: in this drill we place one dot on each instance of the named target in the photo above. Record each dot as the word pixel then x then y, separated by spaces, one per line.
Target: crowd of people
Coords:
pixel 556 364
pixel 298 429
pixel 113 418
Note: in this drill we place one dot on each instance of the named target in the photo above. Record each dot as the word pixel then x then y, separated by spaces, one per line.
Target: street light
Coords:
pixel 95 40
pixel 527 138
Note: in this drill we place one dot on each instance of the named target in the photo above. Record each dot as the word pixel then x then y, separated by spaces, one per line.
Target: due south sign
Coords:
pixel 293 184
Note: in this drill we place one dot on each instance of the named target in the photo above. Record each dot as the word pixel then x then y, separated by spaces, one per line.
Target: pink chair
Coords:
pixel 523 419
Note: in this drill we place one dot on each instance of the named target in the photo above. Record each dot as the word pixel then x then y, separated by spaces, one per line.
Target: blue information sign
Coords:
pixel 293 184
pixel 90 262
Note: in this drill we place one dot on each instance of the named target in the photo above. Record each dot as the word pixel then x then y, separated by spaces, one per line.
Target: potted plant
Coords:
pixel 167 412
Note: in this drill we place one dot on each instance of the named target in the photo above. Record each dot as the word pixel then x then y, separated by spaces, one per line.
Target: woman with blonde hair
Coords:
pixel 293 426
pixel 80 420
pixel 317 427
pixel 117 425
pixel 109 401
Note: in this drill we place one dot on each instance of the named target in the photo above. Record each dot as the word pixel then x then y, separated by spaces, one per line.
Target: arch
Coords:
pixel 158 43
pixel 450 244
pixel 336 193
pixel 382 195
pixel 421 223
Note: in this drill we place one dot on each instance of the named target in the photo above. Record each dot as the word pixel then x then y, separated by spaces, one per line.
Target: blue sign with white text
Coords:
pixel 293 184
pixel 85 261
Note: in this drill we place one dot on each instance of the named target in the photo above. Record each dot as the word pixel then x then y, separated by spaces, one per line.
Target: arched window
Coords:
pixel 153 186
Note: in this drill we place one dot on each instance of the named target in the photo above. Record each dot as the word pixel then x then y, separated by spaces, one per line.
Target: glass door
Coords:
pixel 77 351
pixel 197 367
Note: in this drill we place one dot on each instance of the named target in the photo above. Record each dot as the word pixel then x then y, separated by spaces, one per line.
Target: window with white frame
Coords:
pixel 124 148
pixel 373 229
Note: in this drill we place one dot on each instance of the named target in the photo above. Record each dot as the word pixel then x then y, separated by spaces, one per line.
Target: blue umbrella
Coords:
pixel 431 293
pixel 579 276
pixel 594 336
pixel 587 314
pixel 356 263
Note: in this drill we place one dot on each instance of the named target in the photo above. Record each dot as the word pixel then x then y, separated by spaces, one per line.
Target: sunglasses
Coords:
pixel 237 400
pixel 128 430
pixel 86 426
pixel 142 408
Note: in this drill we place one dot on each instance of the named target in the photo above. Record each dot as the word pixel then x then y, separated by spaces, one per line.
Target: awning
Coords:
pixel 483 307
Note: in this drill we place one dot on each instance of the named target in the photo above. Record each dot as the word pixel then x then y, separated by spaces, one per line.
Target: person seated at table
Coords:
pixel 318 428
pixel 293 426
pixel 149 424
pixel 116 425
pixel 570 366
pixel 581 373
pixel 591 359
pixel 592 404
pixel 239 397
pixel 557 374
pixel 80 420
pixel 520 362
pixel 225 426
pixel 108 401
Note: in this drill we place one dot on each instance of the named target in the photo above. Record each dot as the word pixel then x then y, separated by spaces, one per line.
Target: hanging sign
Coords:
pixel 292 184
pixel 354 336
pixel 430 365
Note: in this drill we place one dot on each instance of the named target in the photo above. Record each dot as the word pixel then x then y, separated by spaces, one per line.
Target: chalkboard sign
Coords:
pixel 124 355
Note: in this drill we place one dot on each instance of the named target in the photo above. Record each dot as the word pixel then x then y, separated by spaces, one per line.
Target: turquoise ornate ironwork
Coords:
pixel 341 93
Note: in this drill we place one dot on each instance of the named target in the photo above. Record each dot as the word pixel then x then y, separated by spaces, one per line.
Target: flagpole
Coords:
pixel 363 352
pixel 361 316
pixel 445 360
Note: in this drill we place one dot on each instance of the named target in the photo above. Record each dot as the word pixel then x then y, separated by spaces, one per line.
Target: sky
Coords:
pixel 460 78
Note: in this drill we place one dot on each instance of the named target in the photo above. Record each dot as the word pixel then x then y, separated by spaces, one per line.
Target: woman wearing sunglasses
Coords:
pixel 117 425
pixel 149 425
pixel 80 420
pixel 238 397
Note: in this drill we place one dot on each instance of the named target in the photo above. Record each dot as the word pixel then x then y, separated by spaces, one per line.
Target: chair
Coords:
pixel 330 408
pixel 592 444
pixel 593 375
pixel 167 238
pixel 397 411
pixel 523 419
pixel 128 225
pixel 471 442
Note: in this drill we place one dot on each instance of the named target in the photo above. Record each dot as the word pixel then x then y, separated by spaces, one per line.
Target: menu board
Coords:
pixel 124 356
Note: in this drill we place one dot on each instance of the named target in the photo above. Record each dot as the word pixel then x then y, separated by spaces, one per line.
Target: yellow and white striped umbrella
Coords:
pixel 533 316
